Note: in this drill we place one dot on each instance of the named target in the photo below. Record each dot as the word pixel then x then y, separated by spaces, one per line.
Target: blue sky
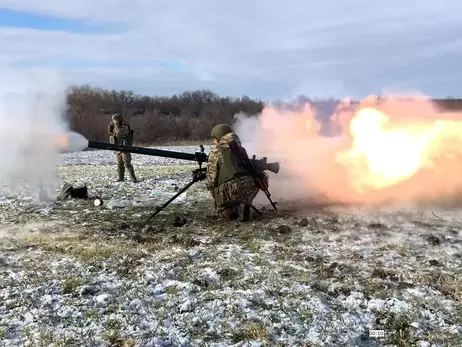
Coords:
pixel 262 49
pixel 18 19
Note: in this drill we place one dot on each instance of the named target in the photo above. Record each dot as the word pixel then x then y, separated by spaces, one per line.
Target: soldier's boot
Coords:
pixel 121 173
pixel 229 213
pixel 243 212
pixel 131 171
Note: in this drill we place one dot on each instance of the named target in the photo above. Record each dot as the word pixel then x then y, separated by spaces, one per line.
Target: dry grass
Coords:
pixel 83 248
pixel 249 331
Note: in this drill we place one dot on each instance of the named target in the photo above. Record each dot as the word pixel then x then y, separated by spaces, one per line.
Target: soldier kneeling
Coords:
pixel 232 186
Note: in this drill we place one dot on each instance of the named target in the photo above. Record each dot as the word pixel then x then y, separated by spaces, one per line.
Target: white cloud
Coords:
pixel 259 48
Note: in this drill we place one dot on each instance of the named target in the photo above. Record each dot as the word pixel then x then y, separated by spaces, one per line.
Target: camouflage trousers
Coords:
pixel 124 160
pixel 241 190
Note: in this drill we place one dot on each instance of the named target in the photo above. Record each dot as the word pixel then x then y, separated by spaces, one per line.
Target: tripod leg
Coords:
pixel 160 208
pixel 255 209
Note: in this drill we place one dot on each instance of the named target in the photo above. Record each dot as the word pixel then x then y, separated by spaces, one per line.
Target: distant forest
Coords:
pixel 188 116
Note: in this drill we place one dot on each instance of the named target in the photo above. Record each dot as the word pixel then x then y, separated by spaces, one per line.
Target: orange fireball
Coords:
pixel 394 149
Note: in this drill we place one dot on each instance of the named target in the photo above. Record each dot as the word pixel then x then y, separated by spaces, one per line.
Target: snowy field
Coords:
pixel 73 274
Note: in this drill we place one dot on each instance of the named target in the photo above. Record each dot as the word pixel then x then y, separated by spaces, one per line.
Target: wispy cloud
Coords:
pixel 259 48
pixel 89 63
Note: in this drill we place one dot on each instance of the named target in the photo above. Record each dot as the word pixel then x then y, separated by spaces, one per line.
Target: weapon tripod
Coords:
pixel 197 175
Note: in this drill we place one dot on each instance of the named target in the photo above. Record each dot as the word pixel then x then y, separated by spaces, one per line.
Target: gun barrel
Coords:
pixel 148 151
pixel 199 157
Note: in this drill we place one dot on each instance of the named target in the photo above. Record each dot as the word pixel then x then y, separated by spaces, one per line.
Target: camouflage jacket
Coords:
pixel 120 133
pixel 216 160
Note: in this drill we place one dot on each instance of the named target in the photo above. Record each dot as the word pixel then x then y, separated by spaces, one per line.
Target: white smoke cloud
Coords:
pixel 32 107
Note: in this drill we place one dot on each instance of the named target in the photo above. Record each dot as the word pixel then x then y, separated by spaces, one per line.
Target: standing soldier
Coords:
pixel 231 185
pixel 121 134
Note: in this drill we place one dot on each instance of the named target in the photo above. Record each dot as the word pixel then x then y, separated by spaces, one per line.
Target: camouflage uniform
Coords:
pixel 232 187
pixel 120 135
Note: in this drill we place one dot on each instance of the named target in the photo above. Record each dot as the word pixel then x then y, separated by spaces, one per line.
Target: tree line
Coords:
pixel 188 116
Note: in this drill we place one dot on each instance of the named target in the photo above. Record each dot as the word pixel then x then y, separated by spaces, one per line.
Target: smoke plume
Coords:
pixel 390 149
pixel 32 106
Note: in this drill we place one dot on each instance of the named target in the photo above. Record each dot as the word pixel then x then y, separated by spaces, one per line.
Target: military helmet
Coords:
pixel 116 117
pixel 221 130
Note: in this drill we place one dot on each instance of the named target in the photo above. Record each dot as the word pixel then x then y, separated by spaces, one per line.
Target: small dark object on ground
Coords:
pixel 433 240
pixel 433 262
pixel 152 229
pixel 79 193
pixel 283 229
pixel 67 192
pixel 377 226
pixel 179 222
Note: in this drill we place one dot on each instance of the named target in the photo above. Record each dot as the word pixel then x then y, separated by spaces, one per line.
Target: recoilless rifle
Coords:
pixel 255 166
